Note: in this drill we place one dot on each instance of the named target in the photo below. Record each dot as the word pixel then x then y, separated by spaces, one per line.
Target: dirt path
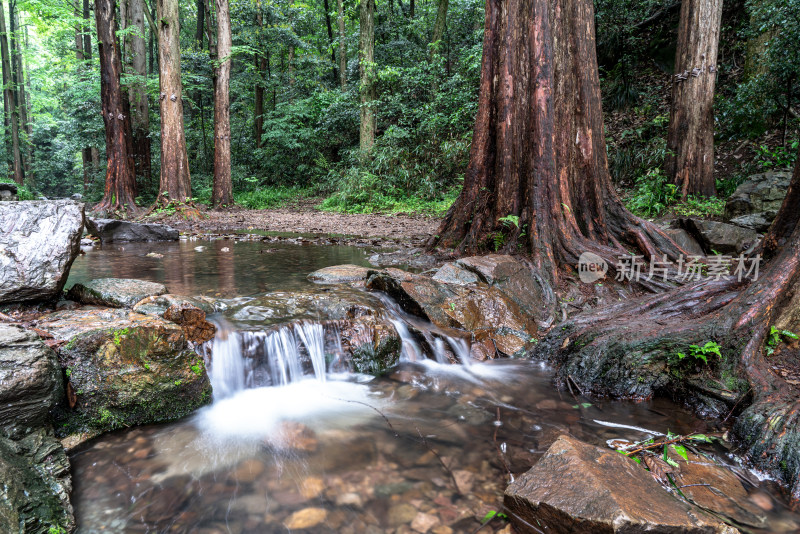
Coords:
pixel 303 217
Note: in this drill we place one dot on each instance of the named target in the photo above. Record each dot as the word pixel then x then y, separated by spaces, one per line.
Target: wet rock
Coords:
pixel 340 274
pixel 514 279
pixel 38 243
pixel 114 292
pixel 761 194
pixel 109 230
pixel 424 522
pixel 412 258
pixel 125 369
pixel 306 518
pixel 485 311
pixel 193 321
pixel 579 488
pixel 158 304
pixel 684 240
pixel 296 437
pixel 248 471
pixel 716 488
pixel 35 484
pixel 755 221
pixel 372 344
pixel 717 237
pixel 451 273
pixel 30 381
pixel 401 514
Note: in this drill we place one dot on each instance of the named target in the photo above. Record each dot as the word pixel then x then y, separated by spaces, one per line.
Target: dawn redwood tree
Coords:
pixel 538 150
pixel 634 342
pixel 261 72
pixel 342 45
pixel 366 67
pixel 222 192
pixel 690 138
pixel 120 190
pixel 175 182
pixel 137 90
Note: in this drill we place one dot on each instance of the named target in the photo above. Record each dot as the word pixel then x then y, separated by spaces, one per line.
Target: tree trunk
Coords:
pixel 690 139
pixel 290 59
pixel 19 88
pixel 137 93
pixel 366 67
pixel 261 67
pixel 200 28
pixel 16 169
pixel 411 8
pixel 175 183
pixel 330 39
pixel 120 190
pixel 342 45
pixel 629 349
pixel 441 22
pixel 222 193
pixel 538 155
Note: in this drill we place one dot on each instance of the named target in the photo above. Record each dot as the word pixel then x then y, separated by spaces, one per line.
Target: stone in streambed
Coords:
pixel 340 274
pixel 125 368
pixel 115 292
pixel 110 230
pixel 306 518
pixel 581 489
pixel 39 240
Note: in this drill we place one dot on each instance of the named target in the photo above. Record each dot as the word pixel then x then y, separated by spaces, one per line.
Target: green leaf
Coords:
pixel 671 462
pixel 700 437
pixel 681 450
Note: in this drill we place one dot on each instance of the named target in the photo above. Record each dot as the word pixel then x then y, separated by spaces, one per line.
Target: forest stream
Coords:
pixel 296 441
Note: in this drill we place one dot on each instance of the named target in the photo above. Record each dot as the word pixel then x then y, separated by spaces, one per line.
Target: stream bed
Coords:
pixel 427 447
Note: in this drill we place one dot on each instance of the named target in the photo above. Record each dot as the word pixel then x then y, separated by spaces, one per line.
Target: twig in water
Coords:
pixel 441 460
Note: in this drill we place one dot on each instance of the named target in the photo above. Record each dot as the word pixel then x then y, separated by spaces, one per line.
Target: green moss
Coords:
pixel 197 368
pixel 118 334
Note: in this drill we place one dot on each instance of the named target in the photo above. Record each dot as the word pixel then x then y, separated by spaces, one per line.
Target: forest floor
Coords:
pixel 303 217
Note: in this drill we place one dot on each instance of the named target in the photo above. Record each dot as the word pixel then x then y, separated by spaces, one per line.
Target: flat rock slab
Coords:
pixel 111 230
pixel 578 488
pixel 115 292
pixel 721 238
pixel 760 193
pixel 39 240
pixel 340 274
pixel 30 381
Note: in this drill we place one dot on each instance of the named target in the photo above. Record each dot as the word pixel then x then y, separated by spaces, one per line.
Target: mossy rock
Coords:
pixel 115 292
pixel 125 369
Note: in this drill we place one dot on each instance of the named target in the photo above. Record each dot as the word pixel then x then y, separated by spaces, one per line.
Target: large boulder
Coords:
pixel 38 242
pixel 483 310
pixel 578 488
pixel 718 237
pixel 115 292
pixel 124 368
pixel 755 202
pixel 30 381
pixel 340 274
pixel 111 230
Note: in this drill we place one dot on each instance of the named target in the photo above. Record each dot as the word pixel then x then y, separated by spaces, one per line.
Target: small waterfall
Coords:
pixel 243 360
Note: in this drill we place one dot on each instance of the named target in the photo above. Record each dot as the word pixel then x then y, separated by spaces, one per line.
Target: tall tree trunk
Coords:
pixel 261 69
pixel 366 64
pixel 411 7
pixel 538 149
pixel 342 45
pixel 19 88
pixel 16 170
pixel 90 156
pixel 212 54
pixel 137 93
pixel 120 190
pixel 175 182
pixel 151 45
pixel 690 139
pixel 200 28
pixel 441 22
pixel 330 39
pixel 222 193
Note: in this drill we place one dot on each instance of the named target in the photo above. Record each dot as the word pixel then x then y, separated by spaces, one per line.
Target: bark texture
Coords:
pixel 222 192
pixel 137 93
pixel 261 70
pixel 328 25
pixel 441 22
pixel 366 65
pixel 175 183
pixel 690 139
pixel 538 150
pixel 120 190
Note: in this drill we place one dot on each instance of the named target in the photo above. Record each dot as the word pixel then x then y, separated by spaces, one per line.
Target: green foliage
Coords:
pixel 711 348
pixel 270 197
pixel 652 195
pixel 493 514
pixel 700 207
pixel 776 337
pixel 779 157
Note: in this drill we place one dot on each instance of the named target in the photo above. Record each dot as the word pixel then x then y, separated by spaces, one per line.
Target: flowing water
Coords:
pixel 294 441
